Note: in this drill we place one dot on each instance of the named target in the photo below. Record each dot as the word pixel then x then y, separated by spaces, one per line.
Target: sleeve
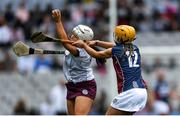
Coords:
pixel 113 51
pixel 82 53
pixel 118 51
pixel 84 58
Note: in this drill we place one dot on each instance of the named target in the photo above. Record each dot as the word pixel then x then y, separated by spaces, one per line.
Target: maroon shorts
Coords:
pixel 85 88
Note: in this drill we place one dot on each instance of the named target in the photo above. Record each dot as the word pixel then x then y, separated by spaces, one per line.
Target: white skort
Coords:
pixel 132 100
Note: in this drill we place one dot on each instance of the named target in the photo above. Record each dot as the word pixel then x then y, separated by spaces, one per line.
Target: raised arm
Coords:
pixel 56 14
pixel 96 54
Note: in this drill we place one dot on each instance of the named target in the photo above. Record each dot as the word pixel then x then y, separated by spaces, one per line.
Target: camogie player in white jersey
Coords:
pixel 81 86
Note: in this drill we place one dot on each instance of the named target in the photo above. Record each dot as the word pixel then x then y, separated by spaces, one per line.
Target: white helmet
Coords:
pixel 83 32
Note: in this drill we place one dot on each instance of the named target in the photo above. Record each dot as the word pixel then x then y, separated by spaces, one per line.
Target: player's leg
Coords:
pixel 113 111
pixel 71 106
pixel 83 105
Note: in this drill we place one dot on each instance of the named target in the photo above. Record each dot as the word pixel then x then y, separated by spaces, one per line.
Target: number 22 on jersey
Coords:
pixel 132 60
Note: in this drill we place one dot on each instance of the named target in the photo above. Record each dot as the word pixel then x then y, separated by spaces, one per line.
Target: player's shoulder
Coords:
pixel 118 46
pixel 117 49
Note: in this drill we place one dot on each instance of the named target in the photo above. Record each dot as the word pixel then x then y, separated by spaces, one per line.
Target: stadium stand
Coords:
pixel 157 24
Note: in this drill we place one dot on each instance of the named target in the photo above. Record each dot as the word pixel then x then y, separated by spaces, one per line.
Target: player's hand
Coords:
pixel 56 14
pixel 92 43
pixel 79 43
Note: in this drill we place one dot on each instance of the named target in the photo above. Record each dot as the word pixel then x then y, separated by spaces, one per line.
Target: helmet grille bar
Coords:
pixel 80 29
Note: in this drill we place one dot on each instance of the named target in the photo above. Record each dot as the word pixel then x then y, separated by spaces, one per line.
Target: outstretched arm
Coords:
pixel 56 14
pixel 96 54
pixel 102 44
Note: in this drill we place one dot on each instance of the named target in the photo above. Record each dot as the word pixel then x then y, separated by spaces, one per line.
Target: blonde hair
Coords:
pixel 129 47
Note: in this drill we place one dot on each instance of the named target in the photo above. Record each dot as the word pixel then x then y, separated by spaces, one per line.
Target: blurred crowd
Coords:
pixel 20 18
pixel 19 22
pixel 150 15
pixel 163 89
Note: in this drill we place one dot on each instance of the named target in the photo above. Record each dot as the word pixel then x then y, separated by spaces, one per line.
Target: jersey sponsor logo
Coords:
pixel 114 101
pixel 85 91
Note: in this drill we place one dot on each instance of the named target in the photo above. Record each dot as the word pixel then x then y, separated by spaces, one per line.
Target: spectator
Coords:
pixel 124 12
pixel 8 14
pixel 162 89
pixel 22 13
pixel 172 63
pixel 20 108
pixel 36 15
pixel 25 65
pixel 47 26
pixel 9 62
pixel 145 66
pixel 17 33
pixel 161 108
pixel 159 23
pixel 5 33
pixel 42 64
pixel 77 14
pixel 58 98
pixel 157 63
pixel 46 108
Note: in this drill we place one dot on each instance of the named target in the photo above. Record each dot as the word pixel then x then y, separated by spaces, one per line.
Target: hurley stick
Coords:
pixel 21 49
pixel 41 37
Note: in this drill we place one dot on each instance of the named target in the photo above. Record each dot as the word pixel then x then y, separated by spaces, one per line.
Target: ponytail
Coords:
pixel 129 47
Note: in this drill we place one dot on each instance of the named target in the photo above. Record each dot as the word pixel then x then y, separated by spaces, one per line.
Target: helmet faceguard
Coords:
pixel 83 32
